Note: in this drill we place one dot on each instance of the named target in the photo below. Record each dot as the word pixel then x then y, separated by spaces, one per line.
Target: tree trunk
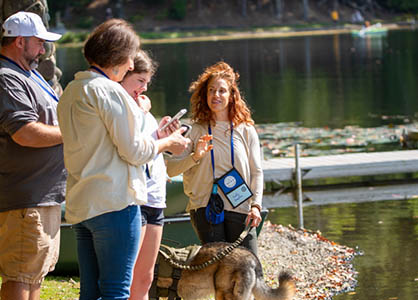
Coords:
pixel 278 9
pixel 244 8
pixel 370 5
pixel 119 9
pixel 336 5
pixel 306 10
pixel 322 2
pixel 199 7
pixel 259 4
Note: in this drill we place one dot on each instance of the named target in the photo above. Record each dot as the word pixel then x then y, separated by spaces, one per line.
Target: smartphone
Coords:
pixel 177 116
pixel 185 134
pixel 188 127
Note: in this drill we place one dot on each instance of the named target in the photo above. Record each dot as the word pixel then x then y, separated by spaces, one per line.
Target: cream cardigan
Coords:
pixel 198 177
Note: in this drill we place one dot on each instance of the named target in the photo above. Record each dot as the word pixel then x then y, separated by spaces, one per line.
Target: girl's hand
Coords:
pixel 203 146
pixel 144 103
pixel 169 129
pixel 178 143
pixel 254 216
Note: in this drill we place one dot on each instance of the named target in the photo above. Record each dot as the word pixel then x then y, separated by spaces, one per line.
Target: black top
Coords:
pixel 29 177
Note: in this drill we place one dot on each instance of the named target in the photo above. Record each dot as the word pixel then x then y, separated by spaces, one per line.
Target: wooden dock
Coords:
pixel 356 194
pixel 342 165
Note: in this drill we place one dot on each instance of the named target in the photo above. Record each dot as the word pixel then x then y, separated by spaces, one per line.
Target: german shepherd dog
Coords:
pixel 237 276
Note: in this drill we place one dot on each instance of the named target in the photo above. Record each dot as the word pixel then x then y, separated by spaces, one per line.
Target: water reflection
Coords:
pixel 387 233
pixel 369 47
pixel 333 80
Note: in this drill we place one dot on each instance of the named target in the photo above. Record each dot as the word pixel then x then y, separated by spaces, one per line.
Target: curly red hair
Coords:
pixel 238 109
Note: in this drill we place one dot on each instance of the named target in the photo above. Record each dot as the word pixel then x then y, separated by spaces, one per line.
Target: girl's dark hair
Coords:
pixel 143 63
pixel 111 43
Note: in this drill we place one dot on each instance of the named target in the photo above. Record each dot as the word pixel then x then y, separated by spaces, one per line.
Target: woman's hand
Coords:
pixel 254 217
pixel 169 129
pixel 203 146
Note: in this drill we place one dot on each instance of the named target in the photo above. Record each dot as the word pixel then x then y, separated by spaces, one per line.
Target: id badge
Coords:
pixel 234 188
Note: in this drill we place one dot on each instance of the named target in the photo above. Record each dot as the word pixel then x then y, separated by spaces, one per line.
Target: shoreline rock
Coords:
pixel 320 267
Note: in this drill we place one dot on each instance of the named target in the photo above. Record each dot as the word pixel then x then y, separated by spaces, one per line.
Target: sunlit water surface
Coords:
pixel 332 80
pixel 386 232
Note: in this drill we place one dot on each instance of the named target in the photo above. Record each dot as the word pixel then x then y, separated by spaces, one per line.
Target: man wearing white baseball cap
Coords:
pixel 32 179
pixel 28 24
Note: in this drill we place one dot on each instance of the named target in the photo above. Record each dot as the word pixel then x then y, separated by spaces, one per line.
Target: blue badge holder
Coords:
pixel 234 188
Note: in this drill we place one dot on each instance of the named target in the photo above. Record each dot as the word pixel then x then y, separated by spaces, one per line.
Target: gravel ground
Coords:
pixel 321 268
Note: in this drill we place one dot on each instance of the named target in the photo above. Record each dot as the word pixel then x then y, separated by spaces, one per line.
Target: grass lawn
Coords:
pixel 60 288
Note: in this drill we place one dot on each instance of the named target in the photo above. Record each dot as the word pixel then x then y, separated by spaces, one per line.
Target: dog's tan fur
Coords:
pixel 238 276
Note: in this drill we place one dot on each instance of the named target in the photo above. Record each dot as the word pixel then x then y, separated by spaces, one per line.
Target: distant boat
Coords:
pixel 409 138
pixel 373 30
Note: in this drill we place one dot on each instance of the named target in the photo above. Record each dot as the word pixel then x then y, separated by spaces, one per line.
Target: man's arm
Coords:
pixel 38 135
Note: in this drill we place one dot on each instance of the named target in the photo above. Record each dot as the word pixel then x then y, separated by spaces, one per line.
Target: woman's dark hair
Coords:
pixel 111 43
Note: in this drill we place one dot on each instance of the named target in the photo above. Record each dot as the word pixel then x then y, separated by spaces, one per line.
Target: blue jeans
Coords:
pixel 107 247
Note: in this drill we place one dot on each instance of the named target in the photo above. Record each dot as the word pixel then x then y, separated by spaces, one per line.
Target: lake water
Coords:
pixel 386 232
pixel 331 80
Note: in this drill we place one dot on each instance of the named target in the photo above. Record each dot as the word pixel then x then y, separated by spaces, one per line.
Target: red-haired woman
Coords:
pixel 224 187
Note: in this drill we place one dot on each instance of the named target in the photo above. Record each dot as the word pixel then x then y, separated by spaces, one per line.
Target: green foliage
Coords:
pixel 162 15
pixel 55 6
pixel 73 37
pixel 85 22
pixel 61 5
pixel 178 10
pixel 153 2
pixel 402 5
pixel 136 18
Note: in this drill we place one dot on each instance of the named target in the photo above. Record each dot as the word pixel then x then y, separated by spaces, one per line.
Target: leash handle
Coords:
pixel 245 232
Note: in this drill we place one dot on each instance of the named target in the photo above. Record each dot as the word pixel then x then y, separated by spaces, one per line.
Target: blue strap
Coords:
pixel 147 171
pixel 232 149
pixel 100 71
pixel 15 63
pixel 232 144
pixel 42 83
pixel 212 158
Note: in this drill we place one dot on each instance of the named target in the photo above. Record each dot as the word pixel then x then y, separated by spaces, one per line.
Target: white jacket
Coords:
pixel 104 147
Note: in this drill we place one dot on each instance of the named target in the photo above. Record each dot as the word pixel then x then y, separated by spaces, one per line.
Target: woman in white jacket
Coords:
pixel 104 153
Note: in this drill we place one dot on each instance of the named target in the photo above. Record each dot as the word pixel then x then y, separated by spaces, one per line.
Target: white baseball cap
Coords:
pixel 28 24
